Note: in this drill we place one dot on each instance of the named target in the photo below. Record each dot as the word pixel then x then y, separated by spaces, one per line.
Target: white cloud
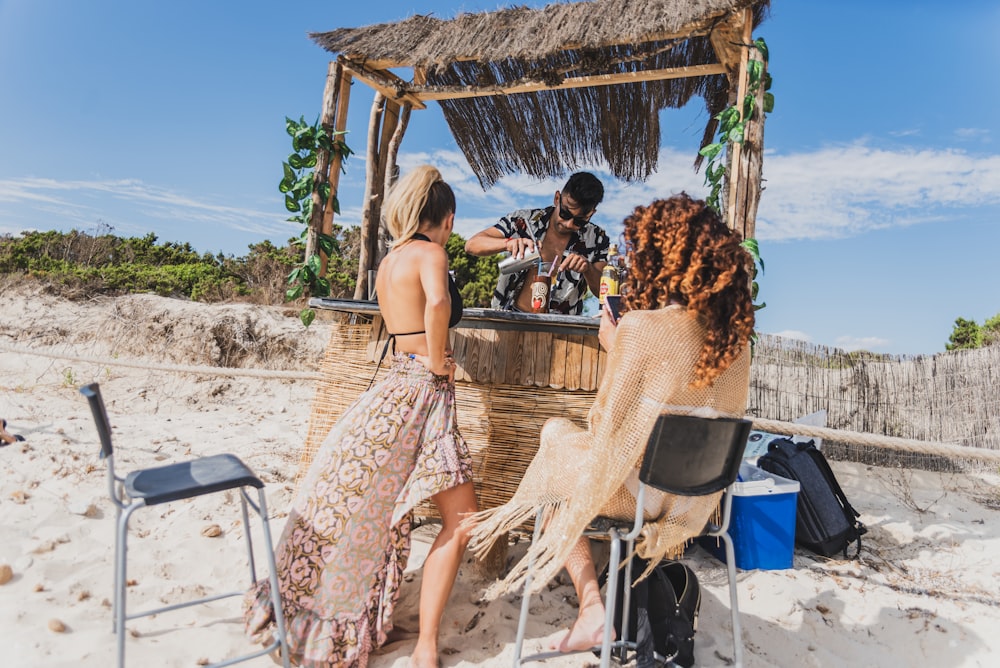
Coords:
pixel 82 202
pixel 793 334
pixel 833 192
pixel 869 343
pixel 973 134
pixel 844 191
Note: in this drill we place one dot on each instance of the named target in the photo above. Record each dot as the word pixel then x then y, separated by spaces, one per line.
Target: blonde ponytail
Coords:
pixel 420 196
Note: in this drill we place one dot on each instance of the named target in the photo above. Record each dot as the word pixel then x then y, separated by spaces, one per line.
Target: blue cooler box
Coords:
pixel 762 522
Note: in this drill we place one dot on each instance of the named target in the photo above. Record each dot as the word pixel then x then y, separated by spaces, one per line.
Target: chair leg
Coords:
pixel 626 601
pixel 247 532
pixel 734 605
pixel 115 577
pixel 279 615
pixel 522 621
pixel 121 583
pixel 611 596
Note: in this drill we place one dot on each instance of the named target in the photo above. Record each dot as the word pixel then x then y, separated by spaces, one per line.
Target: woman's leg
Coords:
pixel 441 568
pixel 588 628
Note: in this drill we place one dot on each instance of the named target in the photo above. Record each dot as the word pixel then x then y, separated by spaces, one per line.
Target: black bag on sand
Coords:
pixel 825 522
pixel 663 613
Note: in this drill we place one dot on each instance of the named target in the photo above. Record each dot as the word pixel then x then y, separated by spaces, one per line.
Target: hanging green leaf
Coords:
pixel 307 316
pixel 295 161
pixel 768 103
pixel 292 204
pixel 321 288
pixel 711 150
pixel 762 47
pixel 294 292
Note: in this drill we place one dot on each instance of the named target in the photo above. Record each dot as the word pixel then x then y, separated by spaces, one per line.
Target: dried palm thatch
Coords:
pixel 562 57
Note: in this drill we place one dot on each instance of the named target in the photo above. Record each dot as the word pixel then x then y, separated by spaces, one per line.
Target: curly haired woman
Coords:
pixel 681 346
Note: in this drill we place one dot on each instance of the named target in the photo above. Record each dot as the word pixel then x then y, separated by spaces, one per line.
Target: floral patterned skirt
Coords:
pixel 344 548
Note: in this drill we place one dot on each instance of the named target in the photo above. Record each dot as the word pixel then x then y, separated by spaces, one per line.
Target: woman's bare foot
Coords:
pixel 587 631
pixel 424 659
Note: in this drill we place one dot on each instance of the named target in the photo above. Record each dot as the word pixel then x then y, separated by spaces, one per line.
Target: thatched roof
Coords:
pixel 561 56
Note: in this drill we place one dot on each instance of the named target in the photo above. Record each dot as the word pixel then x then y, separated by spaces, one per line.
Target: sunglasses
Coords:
pixel 567 215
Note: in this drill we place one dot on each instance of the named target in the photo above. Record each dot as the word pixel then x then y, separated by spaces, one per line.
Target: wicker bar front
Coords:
pixel 508 383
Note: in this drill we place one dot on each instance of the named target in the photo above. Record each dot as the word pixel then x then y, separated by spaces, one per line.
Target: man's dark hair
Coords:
pixel 586 189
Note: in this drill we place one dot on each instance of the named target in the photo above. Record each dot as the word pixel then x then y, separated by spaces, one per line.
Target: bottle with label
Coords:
pixel 610 275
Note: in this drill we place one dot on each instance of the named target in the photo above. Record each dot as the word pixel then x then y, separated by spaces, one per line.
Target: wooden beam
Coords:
pixel 726 40
pixel 383 81
pixel 733 178
pixel 460 92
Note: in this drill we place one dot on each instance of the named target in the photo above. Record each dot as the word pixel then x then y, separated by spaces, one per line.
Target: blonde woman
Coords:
pixel 343 551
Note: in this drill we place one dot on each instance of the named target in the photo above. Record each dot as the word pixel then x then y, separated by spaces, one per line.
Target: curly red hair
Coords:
pixel 680 250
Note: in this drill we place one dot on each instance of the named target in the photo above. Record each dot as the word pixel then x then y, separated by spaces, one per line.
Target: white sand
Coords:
pixel 924 592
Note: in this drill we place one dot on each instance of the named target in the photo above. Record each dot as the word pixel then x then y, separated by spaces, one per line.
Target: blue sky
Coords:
pixel 878 226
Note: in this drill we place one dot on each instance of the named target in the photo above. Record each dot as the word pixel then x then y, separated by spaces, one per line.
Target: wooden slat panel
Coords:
pixel 473 351
pixel 557 362
pixel 543 359
pixel 514 363
pixel 379 335
pixel 489 342
pixel 460 339
pixel 528 358
pixel 503 351
pixel 574 362
pixel 588 363
pixel 602 357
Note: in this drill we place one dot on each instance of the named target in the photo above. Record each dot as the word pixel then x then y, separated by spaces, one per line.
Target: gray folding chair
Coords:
pixel 172 482
pixel 687 456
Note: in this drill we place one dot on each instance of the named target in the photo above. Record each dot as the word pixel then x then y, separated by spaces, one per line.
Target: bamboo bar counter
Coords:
pixel 514 372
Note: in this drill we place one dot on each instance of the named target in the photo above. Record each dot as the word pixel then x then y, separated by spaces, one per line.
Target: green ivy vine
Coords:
pixel 297 185
pixel 732 130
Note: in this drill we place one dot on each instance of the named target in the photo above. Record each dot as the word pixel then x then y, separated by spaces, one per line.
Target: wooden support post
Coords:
pixel 320 172
pixel 390 121
pixel 369 225
pixel 733 171
pixel 390 173
pixel 339 125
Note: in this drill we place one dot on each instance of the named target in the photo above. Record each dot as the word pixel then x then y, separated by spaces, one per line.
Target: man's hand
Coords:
pixel 518 246
pixel 574 262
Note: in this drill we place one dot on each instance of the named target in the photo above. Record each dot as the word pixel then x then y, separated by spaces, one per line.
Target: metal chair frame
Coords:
pixel 664 467
pixel 173 482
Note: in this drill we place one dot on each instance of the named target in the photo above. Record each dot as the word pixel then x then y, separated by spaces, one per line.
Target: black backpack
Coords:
pixel 663 613
pixel 825 522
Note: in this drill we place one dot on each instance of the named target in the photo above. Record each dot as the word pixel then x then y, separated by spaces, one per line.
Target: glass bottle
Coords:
pixel 610 275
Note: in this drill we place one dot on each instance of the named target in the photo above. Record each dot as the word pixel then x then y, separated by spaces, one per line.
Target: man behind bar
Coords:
pixel 563 227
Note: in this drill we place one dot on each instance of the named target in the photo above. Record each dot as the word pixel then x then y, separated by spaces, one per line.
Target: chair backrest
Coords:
pixel 692 456
pixel 93 394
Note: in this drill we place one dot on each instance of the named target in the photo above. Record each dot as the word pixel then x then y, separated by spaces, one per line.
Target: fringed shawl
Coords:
pixel 579 474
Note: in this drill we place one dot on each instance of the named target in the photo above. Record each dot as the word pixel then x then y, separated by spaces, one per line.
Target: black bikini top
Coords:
pixel 456 316
pixel 456 300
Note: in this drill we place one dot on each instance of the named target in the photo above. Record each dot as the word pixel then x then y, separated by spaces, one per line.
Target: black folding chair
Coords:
pixel 685 455
pixel 173 482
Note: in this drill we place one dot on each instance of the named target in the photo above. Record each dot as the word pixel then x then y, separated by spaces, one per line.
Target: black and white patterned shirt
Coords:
pixel 570 287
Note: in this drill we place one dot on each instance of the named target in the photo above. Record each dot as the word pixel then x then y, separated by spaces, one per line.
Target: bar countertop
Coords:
pixel 483 318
